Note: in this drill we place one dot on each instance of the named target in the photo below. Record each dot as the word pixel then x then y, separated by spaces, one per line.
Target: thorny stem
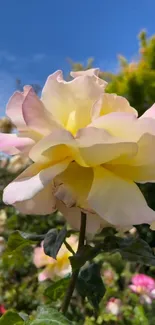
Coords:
pixel 74 277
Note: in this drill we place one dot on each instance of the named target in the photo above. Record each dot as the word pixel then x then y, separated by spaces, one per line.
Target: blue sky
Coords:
pixel 37 36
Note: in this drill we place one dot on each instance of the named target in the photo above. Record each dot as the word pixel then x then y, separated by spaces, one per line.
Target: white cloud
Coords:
pixel 6 56
pixel 20 61
pixel 38 57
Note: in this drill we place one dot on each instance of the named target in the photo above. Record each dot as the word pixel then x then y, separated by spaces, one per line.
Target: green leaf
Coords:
pixel 49 240
pixel 86 253
pixel 18 239
pixel 107 231
pixel 138 251
pixel 134 250
pixel 23 316
pixel 140 316
pixel 57 290
pixel 53 241
pixel 33 237
pixel 17 243
pixel 11 318
pixel 48 316
pixel 90 284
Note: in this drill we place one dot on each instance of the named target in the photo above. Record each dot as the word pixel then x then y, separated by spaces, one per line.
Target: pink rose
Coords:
pixel 144 286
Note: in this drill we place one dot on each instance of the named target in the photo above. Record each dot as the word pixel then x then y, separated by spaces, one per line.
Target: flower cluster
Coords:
pixel 88 148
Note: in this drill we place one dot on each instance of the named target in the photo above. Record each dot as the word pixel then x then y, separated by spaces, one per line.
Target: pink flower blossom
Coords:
pixel 114 306
pixel 144 286
pixel 109 277
pixel 2 309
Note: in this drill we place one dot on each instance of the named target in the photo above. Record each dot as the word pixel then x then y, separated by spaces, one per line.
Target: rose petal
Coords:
pixel 15 112
pixel 89 72
pixel 58 145
pixel 40 258
pixel 31 181
pixel 92 73
pixel 12 144
pixel 133 288
pixel 35 115
pixel 97 146
pixel 57 75
pixel 47 273
pixel 117 124
pixel 14 108
pixel 70 102
pixel 77 180
pixel 149 112
pixel 32 190
pixel 117 200
pixel 54 95
pixel 42 203
pixel 121 124
pixel 141 167
pixel 139 174
pixel 54 147
pixel 96 109
pixel 65 271
pixel 144 281
pixel 73 217
pixel 113 103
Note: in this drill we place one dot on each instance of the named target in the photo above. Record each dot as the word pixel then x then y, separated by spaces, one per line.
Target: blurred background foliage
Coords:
pixel 19 285
pixel 136 79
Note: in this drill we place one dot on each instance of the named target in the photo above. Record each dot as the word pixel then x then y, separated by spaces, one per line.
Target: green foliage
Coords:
pixel 76 66
pixel 136 79
pixel 134 250
pixel 18 244
pixel 57 289
pixel 11 318
pixel 48 316
pixel 53 241
pixel 18 240
pixel 86 253
pixel 140 317
pixel 44 316
pixel 90 284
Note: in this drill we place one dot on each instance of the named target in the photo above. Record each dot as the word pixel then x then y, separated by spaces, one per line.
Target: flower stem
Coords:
pixel 70 249
pixel 74 277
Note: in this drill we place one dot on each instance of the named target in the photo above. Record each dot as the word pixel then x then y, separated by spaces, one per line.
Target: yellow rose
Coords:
pixel 88 149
